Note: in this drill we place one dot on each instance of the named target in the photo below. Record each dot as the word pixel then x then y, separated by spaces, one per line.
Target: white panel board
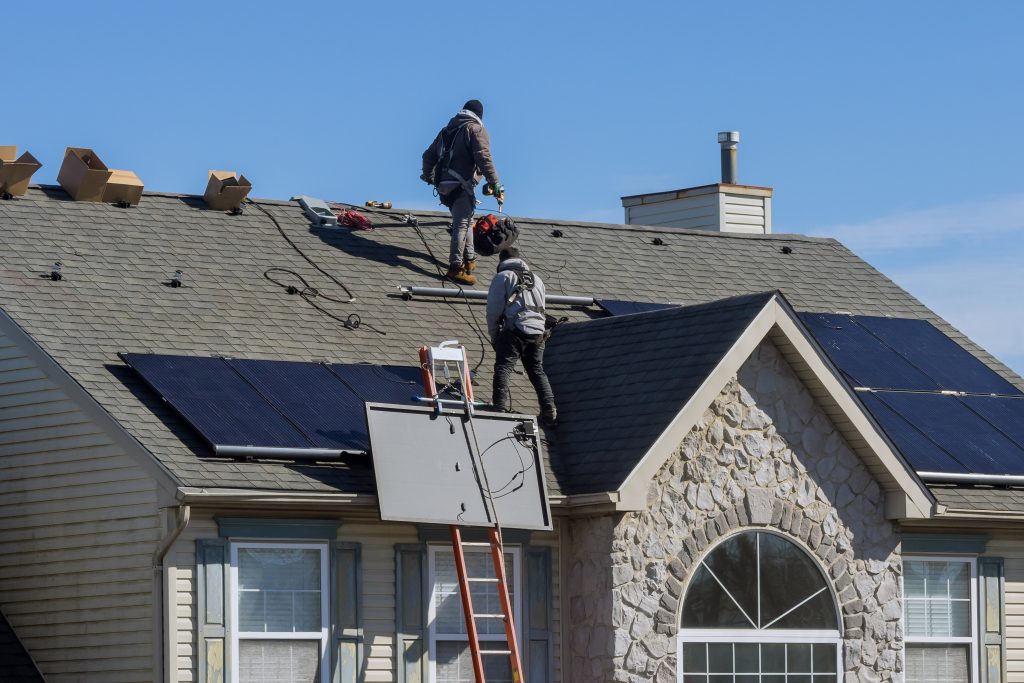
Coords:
pixel 428 468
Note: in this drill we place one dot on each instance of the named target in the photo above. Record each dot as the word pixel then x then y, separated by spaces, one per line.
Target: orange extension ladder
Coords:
pixel 448 352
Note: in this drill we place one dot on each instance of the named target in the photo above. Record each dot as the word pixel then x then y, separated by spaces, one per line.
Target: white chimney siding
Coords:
pixel 717 208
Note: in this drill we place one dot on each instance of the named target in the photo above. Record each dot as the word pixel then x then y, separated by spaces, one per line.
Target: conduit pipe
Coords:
pixel 282 453
pixel 970 478
pixel 408 291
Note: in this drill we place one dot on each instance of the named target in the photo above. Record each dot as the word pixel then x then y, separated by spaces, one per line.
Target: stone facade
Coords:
pixel 764 455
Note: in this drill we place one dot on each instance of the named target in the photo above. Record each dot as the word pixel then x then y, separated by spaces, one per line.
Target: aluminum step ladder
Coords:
pixel 451 352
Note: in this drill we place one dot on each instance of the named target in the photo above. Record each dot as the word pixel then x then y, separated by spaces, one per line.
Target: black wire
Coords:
pixel 313 263
pixel 308 293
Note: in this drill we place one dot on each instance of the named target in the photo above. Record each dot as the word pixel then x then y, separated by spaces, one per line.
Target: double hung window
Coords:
pixel 939 619
pixel 449 645
pixel 279 608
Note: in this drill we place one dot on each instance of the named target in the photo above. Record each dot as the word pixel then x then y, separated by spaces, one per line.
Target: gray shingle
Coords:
pixel 117 262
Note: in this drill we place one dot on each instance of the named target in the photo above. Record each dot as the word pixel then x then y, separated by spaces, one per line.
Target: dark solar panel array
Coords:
pixel 618 307
pixel 943 408
pixel 276 404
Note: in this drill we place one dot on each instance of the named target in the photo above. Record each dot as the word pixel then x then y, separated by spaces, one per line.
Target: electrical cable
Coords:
pixel 308 293
pixel 351 297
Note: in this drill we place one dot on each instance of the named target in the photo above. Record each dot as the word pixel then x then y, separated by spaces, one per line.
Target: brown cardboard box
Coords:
pixel 83 175
pixel 123 186
pixel 16 172
pixel 224 191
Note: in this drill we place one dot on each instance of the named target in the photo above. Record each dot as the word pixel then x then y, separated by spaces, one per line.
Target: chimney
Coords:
pixel 723 207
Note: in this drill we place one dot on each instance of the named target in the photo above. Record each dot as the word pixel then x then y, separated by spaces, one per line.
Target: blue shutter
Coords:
pixel 211 609
pixel 992 620
pixel 537 627
pixel 346 624
pixel 411 656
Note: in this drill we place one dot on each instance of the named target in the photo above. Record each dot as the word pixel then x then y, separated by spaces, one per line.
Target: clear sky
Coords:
pixel 896 127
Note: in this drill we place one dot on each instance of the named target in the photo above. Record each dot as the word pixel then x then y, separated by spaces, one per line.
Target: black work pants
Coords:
pixel 509 348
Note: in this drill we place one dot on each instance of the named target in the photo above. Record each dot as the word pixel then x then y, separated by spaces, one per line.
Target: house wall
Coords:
pixel 377 541
pixel 1010 546
pixel 764 455
pixel 79 523
pixel 708 210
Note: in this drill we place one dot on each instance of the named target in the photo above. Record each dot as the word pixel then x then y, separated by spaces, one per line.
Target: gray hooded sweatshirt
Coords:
pixel 525 311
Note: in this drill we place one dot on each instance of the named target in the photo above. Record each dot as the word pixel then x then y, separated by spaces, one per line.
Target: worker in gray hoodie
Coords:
pixel 457 159
pixel 515 323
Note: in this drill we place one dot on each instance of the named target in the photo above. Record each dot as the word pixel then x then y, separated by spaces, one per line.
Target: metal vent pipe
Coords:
pixel 728 140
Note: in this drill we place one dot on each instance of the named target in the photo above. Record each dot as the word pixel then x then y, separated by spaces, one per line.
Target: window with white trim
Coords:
pixel 940 629
pixel 279 597
pixel 449 645
pixel 758 609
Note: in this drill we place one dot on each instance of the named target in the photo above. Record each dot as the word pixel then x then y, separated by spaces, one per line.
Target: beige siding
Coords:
pixel 78 526
pixel 1011 548
pixel 377 541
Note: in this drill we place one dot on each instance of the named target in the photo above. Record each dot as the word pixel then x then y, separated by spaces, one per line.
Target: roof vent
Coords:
pixel 225 191
pixel 722 207
pixel 15 171
pixel 85 177
pixel 317 211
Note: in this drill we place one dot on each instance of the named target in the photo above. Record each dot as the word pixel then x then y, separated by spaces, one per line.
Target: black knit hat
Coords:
pixel 475 107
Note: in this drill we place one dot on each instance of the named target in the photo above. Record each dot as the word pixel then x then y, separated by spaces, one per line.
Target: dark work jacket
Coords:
pixel 471 156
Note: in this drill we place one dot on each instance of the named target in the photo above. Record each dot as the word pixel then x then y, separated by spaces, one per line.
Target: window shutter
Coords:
pixel 538 617
pixel 411 593
pixel 992 620
pixel 211 613
pixel 346 626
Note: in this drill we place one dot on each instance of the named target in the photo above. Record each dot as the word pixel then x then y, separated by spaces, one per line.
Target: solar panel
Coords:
pixel 961 439
pixel 249 407
pixel 427 468
pixel 1005 414
pixel 862 357
pixel 938 356
pixel 312 398
pixel 216 401
pixel 620 307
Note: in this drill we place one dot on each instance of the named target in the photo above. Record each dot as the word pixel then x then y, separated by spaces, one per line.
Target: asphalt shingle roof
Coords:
pixel 621 381
pixel 114 298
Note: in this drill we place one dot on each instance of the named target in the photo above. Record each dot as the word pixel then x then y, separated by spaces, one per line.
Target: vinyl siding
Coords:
pixel 1010 546
pixel 378 542
pixel 78 525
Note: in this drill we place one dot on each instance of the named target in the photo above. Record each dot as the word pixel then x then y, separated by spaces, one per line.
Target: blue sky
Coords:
pixel 895 127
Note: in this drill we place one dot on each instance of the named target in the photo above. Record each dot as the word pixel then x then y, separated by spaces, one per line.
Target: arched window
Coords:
pixel 758 610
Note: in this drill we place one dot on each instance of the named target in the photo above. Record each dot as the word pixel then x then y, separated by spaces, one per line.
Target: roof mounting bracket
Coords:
pixel 317 211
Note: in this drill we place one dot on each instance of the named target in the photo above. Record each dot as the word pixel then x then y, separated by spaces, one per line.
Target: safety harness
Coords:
pixel 444 161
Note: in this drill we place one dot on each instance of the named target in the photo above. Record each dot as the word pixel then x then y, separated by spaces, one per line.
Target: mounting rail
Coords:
pixel 408 291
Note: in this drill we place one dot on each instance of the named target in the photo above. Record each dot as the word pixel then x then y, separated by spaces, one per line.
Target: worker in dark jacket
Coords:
pixel 515 323
pixel 457 159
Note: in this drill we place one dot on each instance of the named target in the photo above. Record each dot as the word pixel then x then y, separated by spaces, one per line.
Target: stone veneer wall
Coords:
pixel 764 455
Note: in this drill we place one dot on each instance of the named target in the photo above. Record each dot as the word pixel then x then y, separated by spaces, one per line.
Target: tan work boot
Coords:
pixel 470 266
pixel 459 275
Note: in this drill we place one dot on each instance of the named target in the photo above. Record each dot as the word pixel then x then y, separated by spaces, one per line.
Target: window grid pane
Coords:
pixel 937 598
pixel 786 662
pixel 278 661
pixel 279 590
pixel 449 617
pixel 937 664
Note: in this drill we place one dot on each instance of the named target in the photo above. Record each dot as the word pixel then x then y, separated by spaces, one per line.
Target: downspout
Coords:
pixel 166 619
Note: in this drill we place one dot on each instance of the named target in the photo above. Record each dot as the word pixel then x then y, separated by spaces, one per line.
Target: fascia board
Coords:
pixel 633 492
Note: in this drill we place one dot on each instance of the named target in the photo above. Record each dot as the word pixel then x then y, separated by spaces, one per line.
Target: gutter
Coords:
pixel 166 619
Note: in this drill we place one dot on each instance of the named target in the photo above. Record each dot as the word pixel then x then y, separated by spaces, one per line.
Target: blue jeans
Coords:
pixel 510 346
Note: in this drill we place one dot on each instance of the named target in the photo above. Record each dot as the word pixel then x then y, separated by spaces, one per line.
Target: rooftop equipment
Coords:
pixel 409 291
pixel 15 171
pixel 225 191
pixel 317 211
pixel 85 177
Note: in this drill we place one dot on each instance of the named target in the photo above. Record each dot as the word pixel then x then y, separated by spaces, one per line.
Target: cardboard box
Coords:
pixel 224 191
pixel 123 186
pixel 83 175
pixel 16 172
